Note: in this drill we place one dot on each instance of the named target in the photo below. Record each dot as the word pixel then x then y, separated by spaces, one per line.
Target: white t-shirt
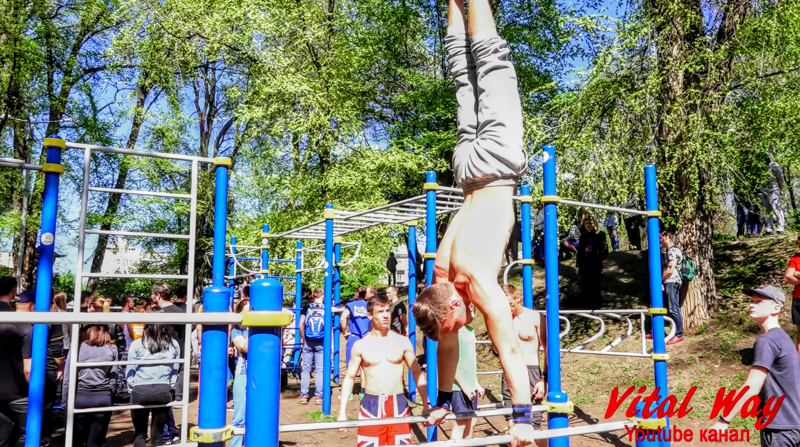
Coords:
pixel 674 254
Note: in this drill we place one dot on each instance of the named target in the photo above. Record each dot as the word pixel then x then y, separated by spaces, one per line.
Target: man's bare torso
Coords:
pixel 382 361
pixel 526 325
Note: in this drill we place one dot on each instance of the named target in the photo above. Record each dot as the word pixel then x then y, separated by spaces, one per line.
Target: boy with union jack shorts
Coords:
pixel 381 354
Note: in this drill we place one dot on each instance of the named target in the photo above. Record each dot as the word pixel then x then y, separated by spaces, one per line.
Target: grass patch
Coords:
pixel 317 416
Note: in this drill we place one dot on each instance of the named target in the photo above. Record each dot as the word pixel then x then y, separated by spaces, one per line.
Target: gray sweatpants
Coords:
pixel 489 146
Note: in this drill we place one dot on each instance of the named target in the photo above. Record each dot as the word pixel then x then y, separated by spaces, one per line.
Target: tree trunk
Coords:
pixel 791 192
pixel 142 90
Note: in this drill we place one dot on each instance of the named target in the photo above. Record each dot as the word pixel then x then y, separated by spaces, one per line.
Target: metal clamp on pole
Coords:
pixel 664 357
pixel 266 318
pixel 210 435
pixel 550 199
pixel 429 256
pixel 657 311
pixel 560 407
pixel 649 424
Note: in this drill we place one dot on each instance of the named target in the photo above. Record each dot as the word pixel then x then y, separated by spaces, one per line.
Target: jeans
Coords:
pixel 239 403
pixel 170 429
pixel 673 291
pixel 741 221
pixel 312 353
pixel 91 428
pixel 13 417
pixel 160 394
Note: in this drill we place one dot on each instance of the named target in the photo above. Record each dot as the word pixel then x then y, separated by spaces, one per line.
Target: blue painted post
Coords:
pixel 298 298
pixel 555 394
pixel 412 298
pixel 52 169
pixel 430 258
pixel 656 296
pixel 264 368
pixel 337 290
pixel 329 215
pixel 214 352
pixel 527 267
pixel 232 274
pixel 264 250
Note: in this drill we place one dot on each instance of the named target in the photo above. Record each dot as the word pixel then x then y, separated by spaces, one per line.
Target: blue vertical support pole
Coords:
pixel 337 298
pixel 214 353
pixel 527 261
pixel 298 298
pixel 52 170
pixel 555 394
pixel 264 250
pixel 232 273
pixel 431 186
pixel 659 355
pixel 329 215
pixel 264 367
pixel 412 298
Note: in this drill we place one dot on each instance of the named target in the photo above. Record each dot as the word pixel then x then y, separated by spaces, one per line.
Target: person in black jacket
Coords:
pixel 391 265
pixel 592 251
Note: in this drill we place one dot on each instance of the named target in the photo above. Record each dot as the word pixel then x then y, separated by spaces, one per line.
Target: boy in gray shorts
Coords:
pixel 487 162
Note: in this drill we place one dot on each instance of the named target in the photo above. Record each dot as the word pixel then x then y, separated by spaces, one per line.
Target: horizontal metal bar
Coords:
pixel 489 373
pixel 116 150
pixel 19 164
pixel 288 428
pixel 287 261
pixel 612 353
pixel 491 405
pixel 281 277
pixel 140 193
pixel 209 318
pixel 543 434
pixel 483 342
pixel 132 275
pixel 126 407
pixel 451 189
pixel 603 207
pixel 138 234
pixel 128 362
pixel 246 259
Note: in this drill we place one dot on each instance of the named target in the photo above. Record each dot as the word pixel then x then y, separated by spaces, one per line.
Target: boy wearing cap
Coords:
pixel 775 371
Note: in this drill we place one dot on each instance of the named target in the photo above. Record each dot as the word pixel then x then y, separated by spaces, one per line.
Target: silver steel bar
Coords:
pixel 18 164
pixel 483 342
pixel 489 373
pixel 451 189
pixel 125 407
pixel 621 338
pixel 313 426
pixel 386 213
pixel 140 193
pixel 132 275
pixel 388 205
pixel 612 353
pixel 508 268
pixel 599 333
pixel 76 317
pixel 187 347
pixel 139 234
pixel 543 434
pixel 75 329
pixel 126 362
pixel 491 405
pixel 379 220
pixel 603 207
pixel 298 229
pixel 116 150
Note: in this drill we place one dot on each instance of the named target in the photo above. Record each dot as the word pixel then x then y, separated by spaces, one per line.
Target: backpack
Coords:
pixel 315 322
pixel 688 269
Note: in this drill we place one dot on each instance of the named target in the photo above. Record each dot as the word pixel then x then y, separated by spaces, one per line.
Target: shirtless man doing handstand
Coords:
pixel 531 328
pixel 487 162
pixel 381 354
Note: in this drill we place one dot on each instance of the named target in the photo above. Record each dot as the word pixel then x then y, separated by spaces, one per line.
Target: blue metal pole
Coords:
pixel 430 259
pixel 329 215
pixel 216 298
pixel 656 296
pixel 44 282
pixel 262 417
pixel 527 268
pixel 264 249
pixel 232 274
pixel 412 298
pixel 298 296
pixel 555 394
pixel 337 290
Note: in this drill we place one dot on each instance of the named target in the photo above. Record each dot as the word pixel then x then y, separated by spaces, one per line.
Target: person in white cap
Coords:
pixel 775 373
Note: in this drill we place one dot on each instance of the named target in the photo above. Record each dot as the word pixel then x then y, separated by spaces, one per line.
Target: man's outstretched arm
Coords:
pixel 447 361
pixel 349 381
pixel 419 377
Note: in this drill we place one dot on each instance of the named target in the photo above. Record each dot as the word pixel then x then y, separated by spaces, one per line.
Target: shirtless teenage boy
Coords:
pixel 531 329
pixel 381 354
pixel 487 162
